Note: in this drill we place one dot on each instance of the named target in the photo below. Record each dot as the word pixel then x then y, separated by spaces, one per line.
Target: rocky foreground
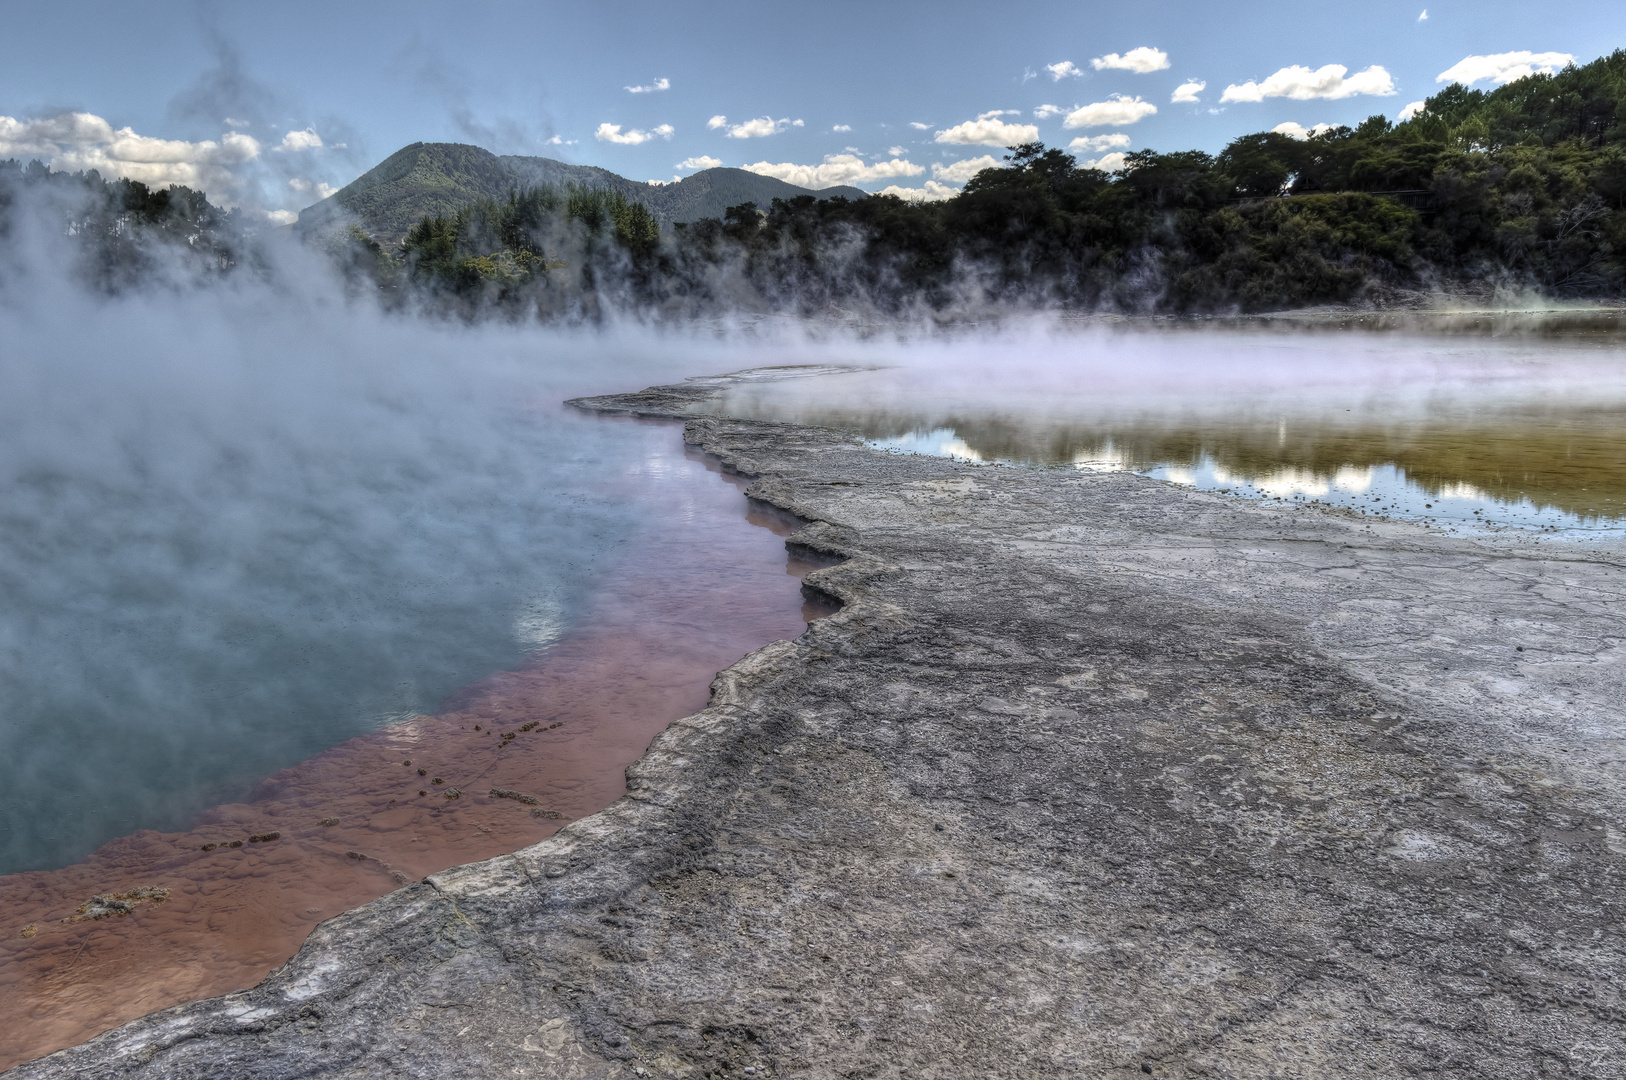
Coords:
pixel 1091 776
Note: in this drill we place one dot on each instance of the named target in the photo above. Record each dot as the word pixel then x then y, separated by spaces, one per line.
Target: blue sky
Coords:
pixel 235 98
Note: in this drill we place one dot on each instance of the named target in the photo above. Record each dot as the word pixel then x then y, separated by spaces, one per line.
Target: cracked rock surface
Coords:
pixel 1091 776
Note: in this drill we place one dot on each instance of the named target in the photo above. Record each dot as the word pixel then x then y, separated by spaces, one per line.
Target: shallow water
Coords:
pixel 675 604
pixel 1473 423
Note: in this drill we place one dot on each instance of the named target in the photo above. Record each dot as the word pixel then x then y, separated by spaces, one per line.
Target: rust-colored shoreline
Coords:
pixel 351 823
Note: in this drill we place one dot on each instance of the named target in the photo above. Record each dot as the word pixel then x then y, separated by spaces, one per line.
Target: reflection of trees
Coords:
pixel 1574 461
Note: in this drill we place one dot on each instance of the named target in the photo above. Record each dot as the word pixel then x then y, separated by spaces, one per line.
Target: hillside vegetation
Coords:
pixel 1521 188
pixel 438 179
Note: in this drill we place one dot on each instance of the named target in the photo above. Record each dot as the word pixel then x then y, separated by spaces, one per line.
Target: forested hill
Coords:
pixel 436 179
pixel 1518 189
pixel 1515 191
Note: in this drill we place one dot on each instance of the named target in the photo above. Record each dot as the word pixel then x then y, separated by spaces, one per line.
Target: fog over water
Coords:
pixel 239 524
pixel 1473 421
pixel 242 522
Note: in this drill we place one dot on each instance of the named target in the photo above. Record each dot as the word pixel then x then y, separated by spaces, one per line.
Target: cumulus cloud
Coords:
pixel 842 127
pixel 612 133
pixel 322 189
pixel 896 151
pixel 295 141
pixel 1089 144
pixel 1186 93
pixel 704 161
pixel 1504 67
pixel 1142 61
pixel 72 142
pixel 1301 84
pixel 1116 111
pixel 1299 131
pixel 836 169
pixel 918 126
pixel 1412 110
pixel 1106 163
pixel 1064 70
pixel 716 122
pixel 753 129
pixel 1045 112
pixel 281 217
pixel 931 191
pixel 653 88
pixel 961 171
pixel 988 131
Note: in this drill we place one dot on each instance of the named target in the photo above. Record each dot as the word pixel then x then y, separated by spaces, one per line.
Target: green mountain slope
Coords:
pixel 438 178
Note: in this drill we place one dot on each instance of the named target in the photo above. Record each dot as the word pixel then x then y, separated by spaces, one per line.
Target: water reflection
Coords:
pixel 1471 426
pixel 1545 470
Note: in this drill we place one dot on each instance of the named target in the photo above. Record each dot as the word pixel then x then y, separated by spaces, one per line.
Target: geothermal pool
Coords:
pixel 1471 423
pixel 255 597
pixel 674 600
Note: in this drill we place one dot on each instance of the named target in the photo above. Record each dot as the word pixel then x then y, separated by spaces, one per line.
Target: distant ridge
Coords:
pixel 438 178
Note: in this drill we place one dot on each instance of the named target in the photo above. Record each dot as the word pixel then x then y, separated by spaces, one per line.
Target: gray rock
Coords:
pixel 1090 776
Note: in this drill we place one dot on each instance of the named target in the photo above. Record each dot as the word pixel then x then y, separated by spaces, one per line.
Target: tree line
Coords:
pixel 1519 187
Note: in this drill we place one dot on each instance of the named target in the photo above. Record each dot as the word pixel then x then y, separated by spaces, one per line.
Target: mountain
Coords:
pixel 438 178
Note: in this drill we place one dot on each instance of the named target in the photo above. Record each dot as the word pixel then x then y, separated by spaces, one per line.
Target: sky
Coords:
pixel 272 106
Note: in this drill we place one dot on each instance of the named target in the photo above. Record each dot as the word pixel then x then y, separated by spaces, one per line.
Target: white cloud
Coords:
pixel 704 161
pixel 1116 111
pixel 755 129
pixel 1089 144
pixel 1064 70
pixel 72 142
pixel 836 169
pixel 1299 131
pixel 1424 16
pixel 653 88
pixel 961 171
pixel 321 189
pixel 1412 110
pixel 931 191
pixel 1504 67
pixel 918 126
pixel 896 151
pixel 1142 60
pixel 281 217
pixel 842 127
pixel 1186 93
pixel 612 133
pixel 1302 84
pixel 716 122
pixel 295 141
pixel 1045 112
pixel 988 132
pixel 991 113
pixel 1106 163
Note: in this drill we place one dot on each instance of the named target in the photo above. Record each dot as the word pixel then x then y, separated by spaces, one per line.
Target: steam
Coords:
pixel 243 520
pixel 246 515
